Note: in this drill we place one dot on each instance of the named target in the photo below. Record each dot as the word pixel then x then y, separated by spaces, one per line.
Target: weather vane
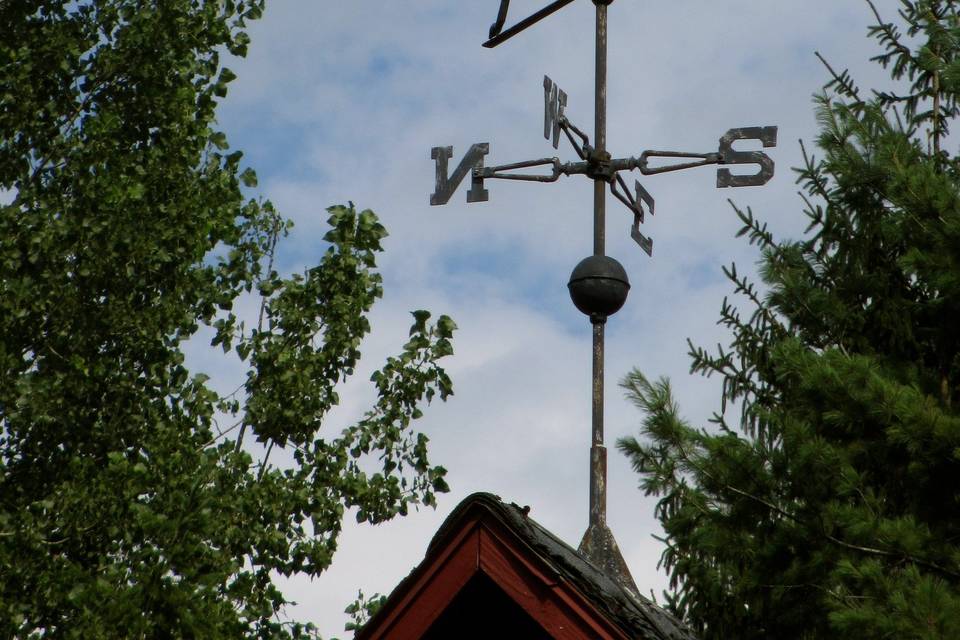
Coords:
pixel 598 284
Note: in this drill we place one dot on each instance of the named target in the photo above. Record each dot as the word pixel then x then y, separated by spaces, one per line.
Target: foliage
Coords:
pixel 362 609
pixel 830 510
pixel 129 506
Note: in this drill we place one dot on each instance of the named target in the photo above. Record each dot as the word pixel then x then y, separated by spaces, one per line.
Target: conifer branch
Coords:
pixel 847 545
pixel 841 80
pixel 815 182
pixel 889 34
pixel 699 469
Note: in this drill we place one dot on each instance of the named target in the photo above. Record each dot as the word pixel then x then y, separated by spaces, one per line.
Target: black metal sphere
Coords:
pixel 598 286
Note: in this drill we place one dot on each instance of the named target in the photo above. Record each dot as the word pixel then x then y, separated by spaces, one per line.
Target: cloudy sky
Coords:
pixel 342 101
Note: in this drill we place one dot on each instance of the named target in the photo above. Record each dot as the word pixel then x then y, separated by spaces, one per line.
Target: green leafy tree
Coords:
pixel 129 506
pixel 830 508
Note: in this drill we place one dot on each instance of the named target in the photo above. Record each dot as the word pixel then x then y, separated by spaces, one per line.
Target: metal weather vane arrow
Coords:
pixel 599 284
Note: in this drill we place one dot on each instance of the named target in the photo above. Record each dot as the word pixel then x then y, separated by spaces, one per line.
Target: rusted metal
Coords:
pixel 635 204
pixel 643 163
pixel 554 102
pixel 600 548
pixel 446 184
pixel 597 165
pixel 600 135
pixel 767 136
pixel 556 170
pixel 598 454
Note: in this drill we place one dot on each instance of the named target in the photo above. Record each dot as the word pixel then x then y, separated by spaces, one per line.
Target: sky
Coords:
pixel 342 101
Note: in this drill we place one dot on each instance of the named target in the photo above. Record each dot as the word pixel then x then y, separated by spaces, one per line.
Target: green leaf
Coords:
pixel 420 321
pixel 249 177
pixel 219 140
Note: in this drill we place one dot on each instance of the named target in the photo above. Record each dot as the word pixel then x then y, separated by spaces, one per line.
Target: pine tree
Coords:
pixel 831 507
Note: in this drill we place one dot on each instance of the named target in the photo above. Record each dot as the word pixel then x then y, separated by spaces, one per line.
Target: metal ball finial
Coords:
pixel 598 287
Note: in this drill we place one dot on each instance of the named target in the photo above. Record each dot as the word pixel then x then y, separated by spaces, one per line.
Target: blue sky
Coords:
pixel 343 101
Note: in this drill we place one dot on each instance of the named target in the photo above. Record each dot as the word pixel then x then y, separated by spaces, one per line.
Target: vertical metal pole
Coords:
pixel 598 454
pixel 600 129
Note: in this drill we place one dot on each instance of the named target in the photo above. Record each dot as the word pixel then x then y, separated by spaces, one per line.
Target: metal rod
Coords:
pixel 598 467
pixel 600 115
pixel 566 124
pixel 566 128
pixel 526 22
pixel 525 163
pixel 600 130
pixel 623 195
pixel 524 177
pixel 647 171
pixel 597 436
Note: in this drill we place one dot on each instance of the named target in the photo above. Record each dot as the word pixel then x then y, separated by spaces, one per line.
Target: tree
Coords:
pixel 830 508
pixel 129 506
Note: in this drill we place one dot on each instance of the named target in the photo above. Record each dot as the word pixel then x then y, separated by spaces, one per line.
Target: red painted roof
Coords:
pixel 492 551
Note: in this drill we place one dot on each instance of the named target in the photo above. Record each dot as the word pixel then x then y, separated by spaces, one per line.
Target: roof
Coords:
pixel 635 617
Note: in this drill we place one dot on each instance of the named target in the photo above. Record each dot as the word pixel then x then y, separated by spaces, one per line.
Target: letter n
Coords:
pixel 448 183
